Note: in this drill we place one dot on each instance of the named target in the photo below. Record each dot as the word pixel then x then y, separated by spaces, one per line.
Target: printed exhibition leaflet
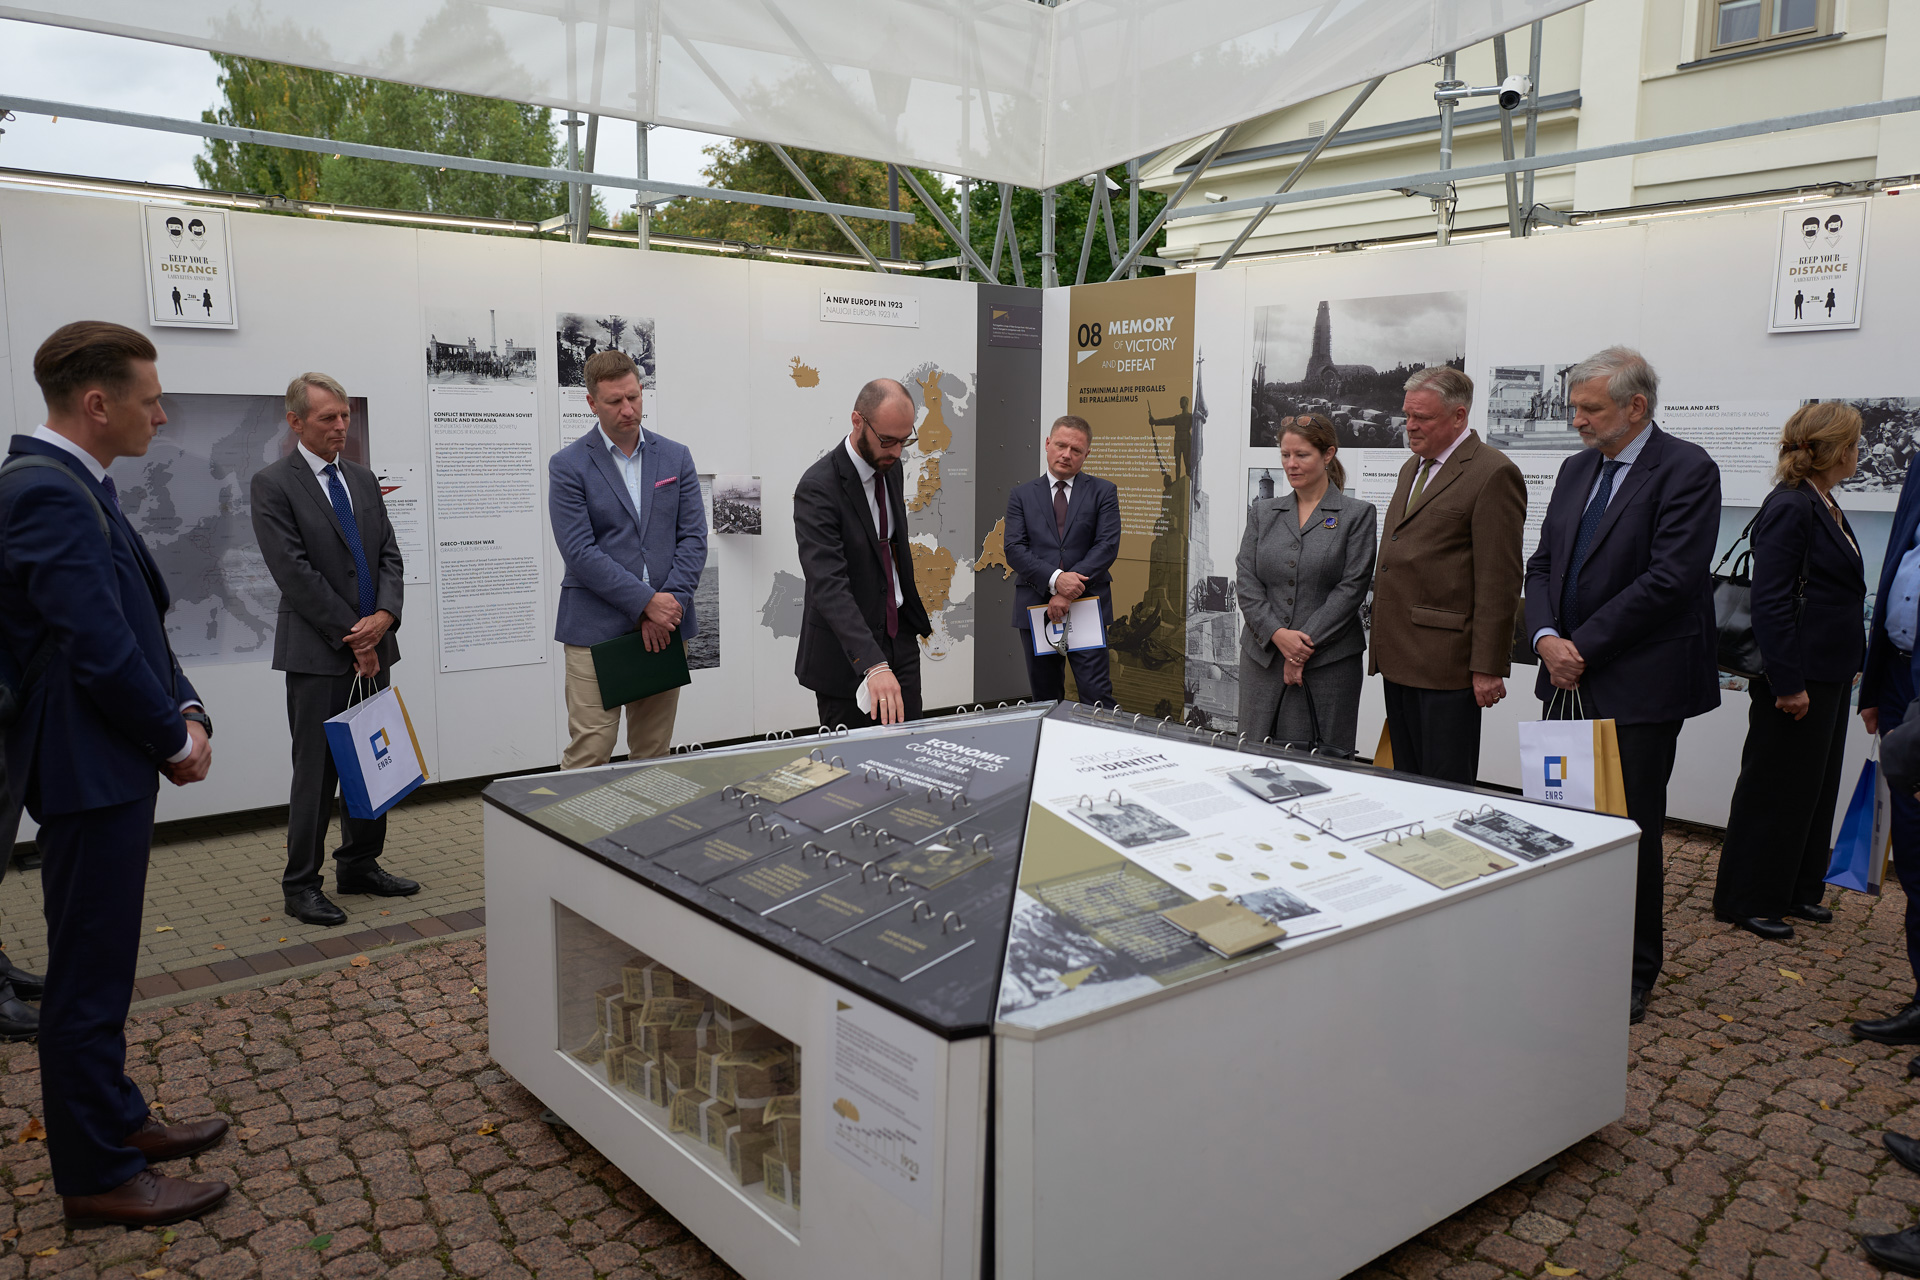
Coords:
pixel 487 523
pixel 883 1091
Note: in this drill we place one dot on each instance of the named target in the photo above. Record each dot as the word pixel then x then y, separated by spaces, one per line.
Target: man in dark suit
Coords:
pixel 1063 531
pixel 1448 583
pixel 107 713
pixel 323 529
pixel 862 618
pixel 1620 602
pixel 1887 688
pixel 625 507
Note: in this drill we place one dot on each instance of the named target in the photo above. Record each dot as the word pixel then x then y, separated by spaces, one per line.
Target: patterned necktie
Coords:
pixel 344 509
pixel 886 552
pixel 106 482
pixel 1060 507
pixel 1420 482
pixel 1589 525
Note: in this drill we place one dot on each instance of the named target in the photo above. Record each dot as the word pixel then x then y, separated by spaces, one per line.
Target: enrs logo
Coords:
pixel 382 744
pixel 1556 771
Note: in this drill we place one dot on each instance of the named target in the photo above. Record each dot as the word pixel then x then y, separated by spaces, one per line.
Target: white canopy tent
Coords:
pixel 1000 90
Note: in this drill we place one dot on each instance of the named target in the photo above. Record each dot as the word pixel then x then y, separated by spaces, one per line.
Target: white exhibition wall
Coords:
pixel 750 378
pixel 1692 293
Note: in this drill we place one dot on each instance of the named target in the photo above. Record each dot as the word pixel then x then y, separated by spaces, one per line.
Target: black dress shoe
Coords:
pixel 1903 1149
pixel 1771 930
pixel 1902 1028
pixel 1811 911
pixel 310 906
pixel 28 986
pixel 1637 1007
pixel 1897 1252
pixel 378 883
pixel 17 1021
pixel 28 859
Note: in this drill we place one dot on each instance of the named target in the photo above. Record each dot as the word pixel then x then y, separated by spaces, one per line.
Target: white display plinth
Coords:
pixel 1425 1032
pixel 1301 1117
pixel 847 1226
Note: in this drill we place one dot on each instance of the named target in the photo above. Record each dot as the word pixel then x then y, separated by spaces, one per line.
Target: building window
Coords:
pixel 1737 26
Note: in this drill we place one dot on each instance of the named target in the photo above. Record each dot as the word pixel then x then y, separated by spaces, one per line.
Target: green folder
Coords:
pixel 628 673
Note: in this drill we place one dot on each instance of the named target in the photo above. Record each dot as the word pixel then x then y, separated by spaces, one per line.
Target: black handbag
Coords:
pixel 1318 746
pixel 1737 649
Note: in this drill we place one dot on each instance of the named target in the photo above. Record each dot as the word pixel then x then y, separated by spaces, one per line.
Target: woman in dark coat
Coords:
pixel 1809 589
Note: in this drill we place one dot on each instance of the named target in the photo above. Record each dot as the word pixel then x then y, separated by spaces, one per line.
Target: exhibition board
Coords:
pixel 679 941
pixel 1338 333
pixel 462 354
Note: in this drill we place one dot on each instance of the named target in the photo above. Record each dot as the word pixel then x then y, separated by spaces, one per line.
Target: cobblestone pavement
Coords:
pixel 213 889
pixel 374 1136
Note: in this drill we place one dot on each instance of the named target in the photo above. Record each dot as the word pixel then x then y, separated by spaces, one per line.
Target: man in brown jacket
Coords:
pixel 1448 582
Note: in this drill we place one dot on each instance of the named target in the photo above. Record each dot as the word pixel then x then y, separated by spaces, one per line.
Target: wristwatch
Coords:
pixel 205 720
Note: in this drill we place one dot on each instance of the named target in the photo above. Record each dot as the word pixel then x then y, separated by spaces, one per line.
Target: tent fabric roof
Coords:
pixel 997 90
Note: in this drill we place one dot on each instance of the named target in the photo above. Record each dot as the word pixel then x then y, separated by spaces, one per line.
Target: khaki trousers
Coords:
pixel 594 729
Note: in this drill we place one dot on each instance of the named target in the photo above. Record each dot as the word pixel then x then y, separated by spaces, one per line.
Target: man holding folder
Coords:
pixel 1063 532
pixel 626 512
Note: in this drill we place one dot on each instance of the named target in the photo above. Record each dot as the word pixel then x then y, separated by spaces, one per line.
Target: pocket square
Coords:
pixel 668 480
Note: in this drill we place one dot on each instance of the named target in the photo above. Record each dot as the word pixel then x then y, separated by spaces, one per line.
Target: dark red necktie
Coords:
pixel 1060 507
pixel 886 552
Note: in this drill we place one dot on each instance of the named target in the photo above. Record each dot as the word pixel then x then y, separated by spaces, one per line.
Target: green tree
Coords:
pixel 740 165
pixel 284 99
pixel 1071 203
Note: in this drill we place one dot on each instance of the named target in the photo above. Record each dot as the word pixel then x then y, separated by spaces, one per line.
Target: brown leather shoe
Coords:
pixel 159 1142
pixel 147 1199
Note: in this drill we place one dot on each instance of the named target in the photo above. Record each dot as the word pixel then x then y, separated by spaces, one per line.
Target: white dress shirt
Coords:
pixel 866 474
pixel 1626 458
pixel 48 435
pixel 1438 463
pixel 630 469
pixel 320 465
pixel 1053 482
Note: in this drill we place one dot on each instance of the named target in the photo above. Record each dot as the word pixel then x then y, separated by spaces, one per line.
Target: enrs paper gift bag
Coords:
pixel 376 753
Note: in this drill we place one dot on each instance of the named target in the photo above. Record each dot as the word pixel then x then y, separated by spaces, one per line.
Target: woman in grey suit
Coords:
pixel 1304 565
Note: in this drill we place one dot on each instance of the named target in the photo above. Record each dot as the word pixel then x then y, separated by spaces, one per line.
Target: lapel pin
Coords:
pixel 1331 522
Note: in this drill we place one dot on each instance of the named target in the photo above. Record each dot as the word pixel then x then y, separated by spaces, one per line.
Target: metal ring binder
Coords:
pixel 760 818
pixel 959 925
pixel 913 916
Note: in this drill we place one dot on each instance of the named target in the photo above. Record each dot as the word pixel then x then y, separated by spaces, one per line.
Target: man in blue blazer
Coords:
pixel 1620 602
pixel 1886 694
pixel 626 512
pixel 1062 534
pixel 106 714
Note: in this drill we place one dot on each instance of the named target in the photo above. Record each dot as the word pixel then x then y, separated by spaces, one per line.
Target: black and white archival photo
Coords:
pixel 578 337
pixel 736 504
pixel 1277 782
pixel 1889 438
pixel 1349 359
pixel 1127 823
pixel 1527 407
pixel 1276 904
pixel 478 347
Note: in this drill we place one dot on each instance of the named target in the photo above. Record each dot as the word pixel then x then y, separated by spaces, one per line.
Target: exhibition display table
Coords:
pixel 1049 992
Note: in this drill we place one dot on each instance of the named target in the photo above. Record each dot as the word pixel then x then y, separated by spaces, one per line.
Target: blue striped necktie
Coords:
pixel 344 509
pixel 1583 543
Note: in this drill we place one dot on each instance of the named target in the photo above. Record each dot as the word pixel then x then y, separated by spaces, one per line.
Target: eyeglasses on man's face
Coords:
pixel 886 442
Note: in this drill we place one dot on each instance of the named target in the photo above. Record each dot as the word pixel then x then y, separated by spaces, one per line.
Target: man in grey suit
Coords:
pixel 627 517
pixel 323 529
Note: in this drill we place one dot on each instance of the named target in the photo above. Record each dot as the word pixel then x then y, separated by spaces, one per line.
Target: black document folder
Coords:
pixel 628 673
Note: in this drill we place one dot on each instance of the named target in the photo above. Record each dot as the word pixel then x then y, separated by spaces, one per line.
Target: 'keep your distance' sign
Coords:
pixel 859 306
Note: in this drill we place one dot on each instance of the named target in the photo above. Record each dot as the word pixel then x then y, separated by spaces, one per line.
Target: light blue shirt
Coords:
pixel 630 472
pixel 1903 614
pixel 1628 456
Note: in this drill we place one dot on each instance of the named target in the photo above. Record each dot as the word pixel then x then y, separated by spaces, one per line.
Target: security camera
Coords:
pixel 1514 91
pixel 1213 197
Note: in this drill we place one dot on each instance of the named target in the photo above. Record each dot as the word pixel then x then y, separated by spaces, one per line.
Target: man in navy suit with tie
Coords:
pixel 106 712
pixel 323 530
pixel 1620 603
pixel 626 513
pixel 1063 532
